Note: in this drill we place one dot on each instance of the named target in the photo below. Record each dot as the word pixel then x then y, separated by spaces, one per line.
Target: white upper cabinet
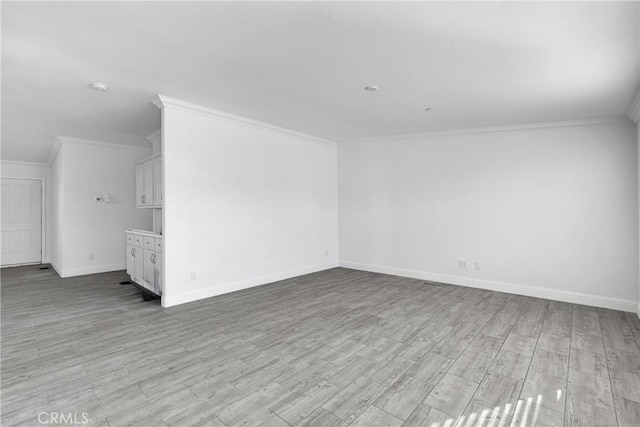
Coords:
pixel 157 181
pixel 149 183
pixel 139 185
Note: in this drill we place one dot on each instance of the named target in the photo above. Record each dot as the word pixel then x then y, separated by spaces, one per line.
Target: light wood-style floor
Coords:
pixel 335 348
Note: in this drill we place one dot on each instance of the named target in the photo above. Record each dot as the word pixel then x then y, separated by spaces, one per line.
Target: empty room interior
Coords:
pixel 313 213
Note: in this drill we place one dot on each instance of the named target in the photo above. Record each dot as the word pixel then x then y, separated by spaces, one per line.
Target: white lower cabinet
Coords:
pixel 157 270
pixel 131 261
pixel 134 262
pixel 144 260
pixel 149 277
pixel 138 264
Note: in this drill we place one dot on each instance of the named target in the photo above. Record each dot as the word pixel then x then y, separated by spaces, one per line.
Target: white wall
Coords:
pixel 57 211
pixel 39 171
pixel 638 163
pixel 547 212
pixel 84 228
pixel 244 205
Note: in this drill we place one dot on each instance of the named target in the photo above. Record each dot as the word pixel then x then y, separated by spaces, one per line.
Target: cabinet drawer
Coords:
pixel 129 239
pixel 137 240
pixel 158 245
pixel 149 242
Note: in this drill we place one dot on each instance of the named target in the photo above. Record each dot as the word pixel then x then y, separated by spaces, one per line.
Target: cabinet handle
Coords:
pixel 143 199
pixel 133 251
pixel 151 258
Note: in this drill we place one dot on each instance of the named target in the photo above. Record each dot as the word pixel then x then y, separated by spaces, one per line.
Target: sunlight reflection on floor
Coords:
pixel 525 413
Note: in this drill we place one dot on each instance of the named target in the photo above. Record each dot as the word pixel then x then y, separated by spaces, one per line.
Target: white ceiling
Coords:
pixel 303 65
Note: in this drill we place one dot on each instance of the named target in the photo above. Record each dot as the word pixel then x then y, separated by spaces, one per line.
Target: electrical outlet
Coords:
pixel 192 276
pixel 462 264
pixel 478 265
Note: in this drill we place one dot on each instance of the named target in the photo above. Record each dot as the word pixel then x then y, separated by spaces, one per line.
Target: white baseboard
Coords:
pixel 208 292
pixel 531 291
pixel 56 268
pixel 81 271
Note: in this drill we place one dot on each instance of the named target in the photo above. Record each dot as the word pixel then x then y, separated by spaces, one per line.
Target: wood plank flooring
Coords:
pixel 335 348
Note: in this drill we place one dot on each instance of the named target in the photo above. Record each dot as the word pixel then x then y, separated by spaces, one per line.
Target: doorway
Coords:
pixel 21 224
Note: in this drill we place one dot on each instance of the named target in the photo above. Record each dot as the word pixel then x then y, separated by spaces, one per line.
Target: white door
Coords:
pixel 21 221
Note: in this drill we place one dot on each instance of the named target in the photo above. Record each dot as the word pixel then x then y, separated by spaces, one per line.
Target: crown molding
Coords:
pixel 610 121
pixel 23 163
pixel 55 148
pixel 101 143
pixel 634 110
pixel 59 140
pixel 162 101
pixel 155 136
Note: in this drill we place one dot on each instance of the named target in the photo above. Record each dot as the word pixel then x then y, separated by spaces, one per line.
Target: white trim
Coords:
pixel 162 101
pixel 22 264
pixel 155 136
pixel 81 271
pixel 638 310
pixel 531 291
pixel 60 139
pixel 152 157
pixel 198 294
pixel 56 268
pixel 103 143
pixel 612 121
pixel 634 109
pixel 21 163
pixel 55 149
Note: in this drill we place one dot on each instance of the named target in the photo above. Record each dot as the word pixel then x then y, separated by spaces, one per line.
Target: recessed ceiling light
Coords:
pixel 100 87
pixel 428 109
pixel 371 88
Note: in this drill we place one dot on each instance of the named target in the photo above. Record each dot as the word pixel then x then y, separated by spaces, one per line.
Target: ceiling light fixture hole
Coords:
pixel 100 87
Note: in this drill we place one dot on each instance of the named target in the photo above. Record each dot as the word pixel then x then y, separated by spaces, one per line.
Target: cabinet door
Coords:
pixel 157 264
pixel 157 182
pixel 131 261
pixel 138 265
pixel 148 280
pixel 139 185
pixel 148 183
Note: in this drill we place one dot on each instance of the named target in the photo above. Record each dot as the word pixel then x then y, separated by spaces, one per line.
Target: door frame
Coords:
pixel 43 218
